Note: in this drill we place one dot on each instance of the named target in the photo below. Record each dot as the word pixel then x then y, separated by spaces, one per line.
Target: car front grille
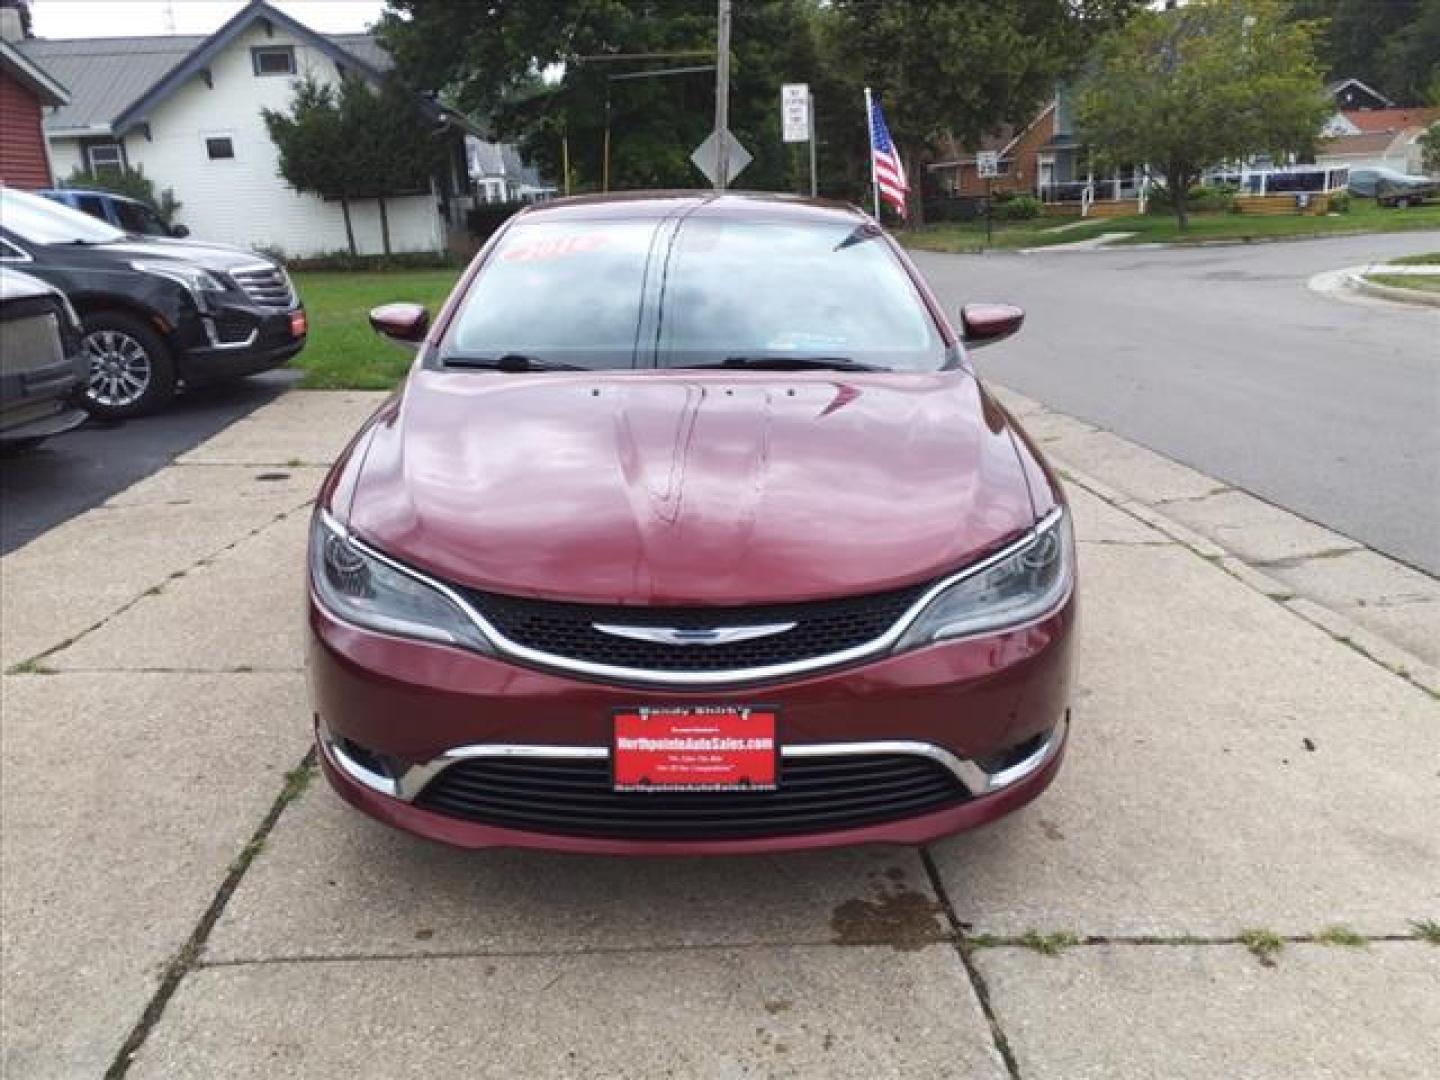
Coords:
pixel 266 285
pixel 574 797
pixel 822 628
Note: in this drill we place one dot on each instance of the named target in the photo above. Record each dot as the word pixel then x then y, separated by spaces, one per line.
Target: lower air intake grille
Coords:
pixel 574 798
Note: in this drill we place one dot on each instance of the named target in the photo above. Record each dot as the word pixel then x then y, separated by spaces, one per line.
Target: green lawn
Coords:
pixel 1430 258
pixel 1364 217
pixel 343 352
pixel 1420 282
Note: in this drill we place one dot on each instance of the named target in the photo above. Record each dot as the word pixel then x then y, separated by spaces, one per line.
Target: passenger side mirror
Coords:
pixel 984 324
pixel 179 231
pixel 404 323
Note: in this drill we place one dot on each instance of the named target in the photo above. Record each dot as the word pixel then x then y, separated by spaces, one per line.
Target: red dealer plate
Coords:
pixel 695 748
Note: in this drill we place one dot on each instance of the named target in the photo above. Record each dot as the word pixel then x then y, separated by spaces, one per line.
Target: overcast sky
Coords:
pixel 120 18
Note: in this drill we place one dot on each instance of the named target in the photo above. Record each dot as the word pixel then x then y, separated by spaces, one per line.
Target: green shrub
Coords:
pixel 1202 198
pixel 1017 207
pixel 345 262
pixel 133 184
pixel 1340 202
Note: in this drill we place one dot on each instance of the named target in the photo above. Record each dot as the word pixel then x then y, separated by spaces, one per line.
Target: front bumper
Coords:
pixel 392 715
pixel 238 339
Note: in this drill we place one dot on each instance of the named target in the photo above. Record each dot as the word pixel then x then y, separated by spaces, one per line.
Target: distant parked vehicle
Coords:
pixel 126 214
pixel 156 312
pixel 1389 187
pixel 41 361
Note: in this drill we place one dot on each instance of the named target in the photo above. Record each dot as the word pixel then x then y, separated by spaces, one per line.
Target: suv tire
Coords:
pixel 131 370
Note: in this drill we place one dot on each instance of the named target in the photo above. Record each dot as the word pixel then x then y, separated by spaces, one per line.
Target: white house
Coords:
pixel 499 174
pixel 188 109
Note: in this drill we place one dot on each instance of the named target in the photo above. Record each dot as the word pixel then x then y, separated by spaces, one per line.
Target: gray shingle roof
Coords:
pixel 106 75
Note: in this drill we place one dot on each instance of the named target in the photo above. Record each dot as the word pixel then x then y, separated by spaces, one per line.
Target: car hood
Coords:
pixel 687 487
pixel 206 256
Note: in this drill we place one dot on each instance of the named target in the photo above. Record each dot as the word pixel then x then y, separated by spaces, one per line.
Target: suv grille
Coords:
pixel 573 797
pixel 822 627
pixel 266 285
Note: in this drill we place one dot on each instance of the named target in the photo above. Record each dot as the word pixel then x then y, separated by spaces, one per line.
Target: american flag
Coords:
pixel 885 164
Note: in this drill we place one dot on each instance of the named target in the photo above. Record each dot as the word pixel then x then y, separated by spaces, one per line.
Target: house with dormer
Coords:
pixel 187 108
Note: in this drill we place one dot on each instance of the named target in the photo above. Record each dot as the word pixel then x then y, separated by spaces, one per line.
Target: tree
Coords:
pixel 1392 45
pixel 539 73
pixel 960 70
pixel 355 143
pixel 1213 81
pixel 1430 147
pixel 130 182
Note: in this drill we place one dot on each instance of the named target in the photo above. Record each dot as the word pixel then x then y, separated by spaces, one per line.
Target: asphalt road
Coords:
pixel 1223 359
pixel 67 475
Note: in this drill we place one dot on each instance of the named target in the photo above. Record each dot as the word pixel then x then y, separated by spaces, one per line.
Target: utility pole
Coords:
pixel 722 96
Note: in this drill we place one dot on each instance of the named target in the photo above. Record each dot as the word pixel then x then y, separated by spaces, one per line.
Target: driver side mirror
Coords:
pixel 985 324
pixel 403 323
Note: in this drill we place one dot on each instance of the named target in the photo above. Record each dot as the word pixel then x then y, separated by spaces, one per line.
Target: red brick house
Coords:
pixel 25 91
pixel 1020 163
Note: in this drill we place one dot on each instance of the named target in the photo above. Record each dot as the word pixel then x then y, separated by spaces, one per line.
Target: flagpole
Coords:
pixel 870 140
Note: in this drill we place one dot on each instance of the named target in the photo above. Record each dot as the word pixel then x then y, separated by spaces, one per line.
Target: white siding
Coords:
pixel 64 156
pixel 243 200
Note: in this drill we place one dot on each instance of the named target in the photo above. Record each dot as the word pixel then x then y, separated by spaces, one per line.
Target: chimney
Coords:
pixel 14 20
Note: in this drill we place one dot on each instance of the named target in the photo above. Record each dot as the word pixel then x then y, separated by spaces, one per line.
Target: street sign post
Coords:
pixel 707 157
pixel 797 120
pixel 987 167
pixel 795 112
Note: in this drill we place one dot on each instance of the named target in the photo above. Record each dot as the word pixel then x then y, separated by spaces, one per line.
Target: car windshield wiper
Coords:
pixel 792 363
pixel 508 362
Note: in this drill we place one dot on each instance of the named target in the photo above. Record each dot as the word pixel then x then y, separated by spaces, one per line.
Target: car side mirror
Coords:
pixel 179 231
pixel 403 322
pixel 985 324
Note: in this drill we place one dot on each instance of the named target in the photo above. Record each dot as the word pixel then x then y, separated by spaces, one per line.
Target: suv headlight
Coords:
pixel 192 278
pixel 1027 582
pixel 359 588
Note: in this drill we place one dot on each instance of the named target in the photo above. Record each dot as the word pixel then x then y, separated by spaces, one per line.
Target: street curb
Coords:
pixel 1394 292
pixel 1391 657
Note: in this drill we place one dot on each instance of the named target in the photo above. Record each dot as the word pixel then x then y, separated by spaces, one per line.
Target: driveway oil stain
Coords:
pixel 898 916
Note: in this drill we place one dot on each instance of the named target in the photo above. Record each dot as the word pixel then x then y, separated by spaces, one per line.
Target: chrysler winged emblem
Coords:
pixel 710 635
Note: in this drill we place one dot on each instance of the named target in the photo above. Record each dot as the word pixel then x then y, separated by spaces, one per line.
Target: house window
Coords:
pixel 219 147
pixel 273 59
pixel 105 157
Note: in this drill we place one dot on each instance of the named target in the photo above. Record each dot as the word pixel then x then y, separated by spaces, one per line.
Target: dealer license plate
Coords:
pixel 695 748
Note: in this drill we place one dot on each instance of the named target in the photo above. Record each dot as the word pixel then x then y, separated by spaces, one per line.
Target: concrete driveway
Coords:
pixel 1230 878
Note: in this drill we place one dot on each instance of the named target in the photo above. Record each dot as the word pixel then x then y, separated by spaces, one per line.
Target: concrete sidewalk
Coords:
pixel 1228 878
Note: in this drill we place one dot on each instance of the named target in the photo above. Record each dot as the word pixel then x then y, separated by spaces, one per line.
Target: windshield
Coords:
pixel 723 291
pixel 138 218
pixel 746 290
pixel 564 292
pixel 37 220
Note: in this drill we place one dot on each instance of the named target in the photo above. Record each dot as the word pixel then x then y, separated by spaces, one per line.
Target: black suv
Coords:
pixel 155 312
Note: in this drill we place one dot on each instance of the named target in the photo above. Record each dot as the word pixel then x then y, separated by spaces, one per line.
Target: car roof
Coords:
pixel 88 191
pixel 655 205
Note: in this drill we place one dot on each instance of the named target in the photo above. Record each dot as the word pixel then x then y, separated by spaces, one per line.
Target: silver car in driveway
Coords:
pixel 41 362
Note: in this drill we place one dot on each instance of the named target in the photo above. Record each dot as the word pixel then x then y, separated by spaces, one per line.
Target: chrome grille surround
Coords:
pixel 266 284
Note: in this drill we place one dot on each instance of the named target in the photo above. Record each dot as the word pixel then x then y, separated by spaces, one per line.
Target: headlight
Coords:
pixel 1027 582
pixel 192 278
pixel 361 589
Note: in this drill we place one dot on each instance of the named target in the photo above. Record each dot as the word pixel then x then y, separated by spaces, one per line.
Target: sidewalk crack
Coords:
pixel 977 981
pixel 187 959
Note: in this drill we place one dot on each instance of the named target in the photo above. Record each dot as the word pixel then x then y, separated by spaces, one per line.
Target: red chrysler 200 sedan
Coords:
pixel 691 530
